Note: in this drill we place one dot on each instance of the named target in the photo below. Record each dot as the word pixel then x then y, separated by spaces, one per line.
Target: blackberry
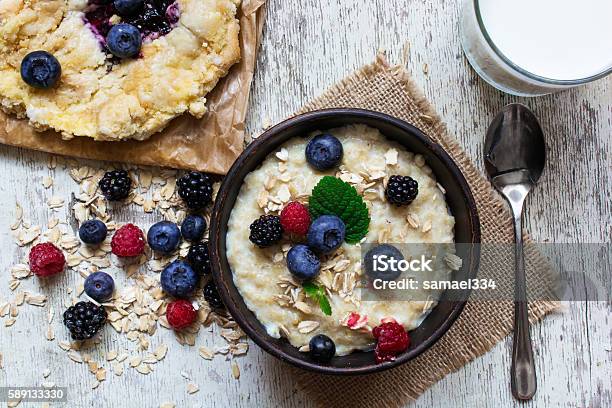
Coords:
pixel 199 258
pixel 195 189
pixel 116 185
pixel 401 190
pixel 211 294
pixel 84 320
pixel 266 231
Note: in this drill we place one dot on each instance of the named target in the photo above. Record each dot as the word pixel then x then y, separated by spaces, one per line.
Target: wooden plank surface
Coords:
pixel 308 45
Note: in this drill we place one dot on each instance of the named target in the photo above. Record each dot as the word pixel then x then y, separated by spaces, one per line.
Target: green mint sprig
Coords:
pixel 332 196
pixel 317 293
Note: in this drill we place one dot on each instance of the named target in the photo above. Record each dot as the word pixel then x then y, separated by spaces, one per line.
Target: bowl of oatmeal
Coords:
pixel 302 209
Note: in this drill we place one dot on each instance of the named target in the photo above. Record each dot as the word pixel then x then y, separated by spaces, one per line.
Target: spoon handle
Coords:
pixel 522 372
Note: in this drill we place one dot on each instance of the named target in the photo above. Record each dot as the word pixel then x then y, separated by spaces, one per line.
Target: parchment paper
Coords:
pixel 209 144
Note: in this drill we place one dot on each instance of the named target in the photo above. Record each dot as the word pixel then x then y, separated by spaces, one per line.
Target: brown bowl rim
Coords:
pixel 244 322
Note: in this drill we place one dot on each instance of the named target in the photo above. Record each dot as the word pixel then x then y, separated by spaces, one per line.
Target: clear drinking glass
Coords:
pixel 496 68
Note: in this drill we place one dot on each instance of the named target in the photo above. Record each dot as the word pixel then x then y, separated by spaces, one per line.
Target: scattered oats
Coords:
pixel 303 307
pixel 95 385
pixel 13 403
pixel 50 334
pixel 160 352
pixel 144 369
pixel 391 157
pixel 307 326
pixel 9 322
pixel 20 271
pixel 47 182
pixel 192 388
pixel 419 160
pixel 135 361
pixel 18 216
pixel 305 348
pixel 64 345
pixel 235 370
pixel 453 261
pixel 426 69
pixel 101 374
pixel 282 155
pixel 111 355
pixel 48 384
pixel 221 350
pixel 74 356
pixel 117 368
pixel 413 220
pixel 442 189
pixel 206 353
pixel 55 202
pixel 46 373
pixel 239 349
pixel 426 226
pixel 167 405
pixel 283 193
pixel 262 198
pixel 35 300
pixel 428 304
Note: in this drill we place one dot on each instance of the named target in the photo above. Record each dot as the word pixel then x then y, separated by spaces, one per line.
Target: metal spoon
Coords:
pixel 515 154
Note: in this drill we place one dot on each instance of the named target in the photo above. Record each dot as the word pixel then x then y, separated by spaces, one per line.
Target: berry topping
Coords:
pixel 199 258
pixel 93 232
pixel 46 259
pixel 99 286
pixel 321 348
pixel 84 320
pixel 124 41
pixel 180 314
pixel 324 152
pixel 193 227
pixel 127 8
pixel 128 241
pixel 40 69
pixel 401 190
pixel 326 234
pixel 266 231
pixel 178 279
pixel 391 339
pixel 195 189
pixel 303 263
pixel 295 218
pixel 164 237
pixel 382 253
pixel 211 294
pixel 115 185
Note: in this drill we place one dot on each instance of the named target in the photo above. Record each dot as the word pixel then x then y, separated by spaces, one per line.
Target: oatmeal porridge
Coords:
pixel 277 296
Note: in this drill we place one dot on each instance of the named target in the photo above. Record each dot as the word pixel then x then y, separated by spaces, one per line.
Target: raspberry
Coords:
pixel 180 314
pixel 295 218
pixel 46 259
pixel 128 241
pixel 392 339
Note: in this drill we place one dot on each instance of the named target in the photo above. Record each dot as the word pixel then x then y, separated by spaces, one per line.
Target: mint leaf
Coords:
pixel 317 293
pixel 332 196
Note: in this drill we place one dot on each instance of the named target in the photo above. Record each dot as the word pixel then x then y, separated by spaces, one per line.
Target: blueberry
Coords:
pixel 99 286
pixel 382 250
pixel 324 152
pixel 193 228
pixel 128 7
pixel 322 348
pixel 303 263
pixel 326 234
pixel 178 279
pixel 164 237
pixel 93 232
pixel 124 41
pixel 40 69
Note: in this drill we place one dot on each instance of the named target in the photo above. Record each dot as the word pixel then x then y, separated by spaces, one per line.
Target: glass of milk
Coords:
pixel 536 47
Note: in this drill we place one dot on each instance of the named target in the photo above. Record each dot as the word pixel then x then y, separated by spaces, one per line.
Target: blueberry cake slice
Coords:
pixel 113 69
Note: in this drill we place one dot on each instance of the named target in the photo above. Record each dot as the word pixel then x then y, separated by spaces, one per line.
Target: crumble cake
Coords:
pixel 187 46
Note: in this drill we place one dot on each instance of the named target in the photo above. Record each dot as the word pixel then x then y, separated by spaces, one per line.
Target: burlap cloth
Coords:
pixel 389 89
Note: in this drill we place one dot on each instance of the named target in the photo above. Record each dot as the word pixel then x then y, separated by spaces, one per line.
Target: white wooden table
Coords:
pixel 308 45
